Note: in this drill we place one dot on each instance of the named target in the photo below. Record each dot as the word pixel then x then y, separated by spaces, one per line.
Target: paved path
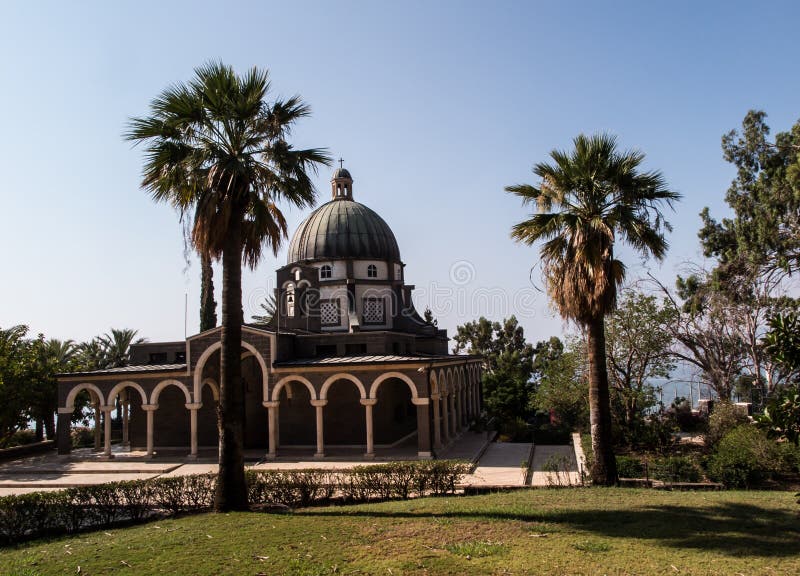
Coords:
pixel 562 457
pixel 501 465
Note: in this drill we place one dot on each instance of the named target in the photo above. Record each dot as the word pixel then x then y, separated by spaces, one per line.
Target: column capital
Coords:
pixel 435 397
pixel 65 410
pixel 270 404
pixel 368 401
pixel 108 408
pixel 420 401
pixel 194 406
pixel 319 403
pixel 149 407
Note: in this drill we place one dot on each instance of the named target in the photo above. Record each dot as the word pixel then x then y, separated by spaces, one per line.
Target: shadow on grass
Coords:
pixel 733 529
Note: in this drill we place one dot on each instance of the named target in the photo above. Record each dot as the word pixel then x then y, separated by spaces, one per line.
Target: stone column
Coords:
pixel 193 408
pixel 272 417
pixel 368 403
pixel 150 410
pixel 423 428
pixel 446 418
pixel 318 406
pixel 64 438
pixel 459 410
pixel 97 424
pixel 452 423
pixel 126 440
pixel 107 410
pixel 437 431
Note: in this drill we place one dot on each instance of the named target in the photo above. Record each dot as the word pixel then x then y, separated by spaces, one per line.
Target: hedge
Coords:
pixel 67 511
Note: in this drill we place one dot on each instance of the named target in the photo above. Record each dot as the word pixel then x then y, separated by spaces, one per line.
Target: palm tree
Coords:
pixel 55 356
pixel 217 149
pixel 269 307
pixel 588 199
pixel 117 346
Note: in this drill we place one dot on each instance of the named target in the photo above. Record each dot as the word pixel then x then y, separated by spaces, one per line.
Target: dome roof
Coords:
pixel 343 228
pixel 342 173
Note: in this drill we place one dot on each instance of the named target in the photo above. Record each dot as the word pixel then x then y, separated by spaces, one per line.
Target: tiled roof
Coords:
pixel 131 369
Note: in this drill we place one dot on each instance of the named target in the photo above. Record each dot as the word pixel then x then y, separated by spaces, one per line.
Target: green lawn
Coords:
pixel 570 531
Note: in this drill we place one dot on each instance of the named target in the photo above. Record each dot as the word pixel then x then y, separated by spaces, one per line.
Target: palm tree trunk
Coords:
pixel 604 467
pixel 231 491
pixel 208 307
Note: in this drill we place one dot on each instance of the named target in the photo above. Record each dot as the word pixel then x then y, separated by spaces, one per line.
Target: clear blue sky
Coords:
pixel 435 106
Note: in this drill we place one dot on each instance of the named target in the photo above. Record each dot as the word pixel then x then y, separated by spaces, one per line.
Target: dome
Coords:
pixel 342 173
pixel 343 228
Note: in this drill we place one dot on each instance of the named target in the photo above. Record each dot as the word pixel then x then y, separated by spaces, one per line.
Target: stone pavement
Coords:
pixel 498 465
pixel 502 465
pixel 560 457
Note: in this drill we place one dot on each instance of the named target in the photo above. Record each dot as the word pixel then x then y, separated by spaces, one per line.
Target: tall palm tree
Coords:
pixel 55 356
pixel 587 200
pixel 217 149
pixel 117 346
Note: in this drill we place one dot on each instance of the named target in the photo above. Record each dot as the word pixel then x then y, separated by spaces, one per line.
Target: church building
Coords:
pixel 346 365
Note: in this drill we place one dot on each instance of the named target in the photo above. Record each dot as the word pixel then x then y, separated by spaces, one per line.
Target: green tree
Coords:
pixel 639 343
pixel 492 339
pixel 17 359
pixel 208 306
pixel 52 357
pixel 562 387
pixel 217 148
pixel 116 346
pixel 588 200
pixel 269 308
pixel 763 235
pixel 513 366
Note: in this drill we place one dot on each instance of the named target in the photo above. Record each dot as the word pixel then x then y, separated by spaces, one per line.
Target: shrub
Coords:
pixel 656 434
pixel 82 436
pixel 21 438
pixel 724 418
pixel 82 507
pixel 629 467
pixel 745 457
pixel 676 469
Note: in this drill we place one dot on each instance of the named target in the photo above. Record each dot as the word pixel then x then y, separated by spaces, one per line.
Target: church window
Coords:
pixel 330 313
pixel 326 271
pixel 290 301
pixel 374 311
pixel 372 271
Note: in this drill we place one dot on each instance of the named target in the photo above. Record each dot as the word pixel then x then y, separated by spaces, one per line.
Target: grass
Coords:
pixel 577 531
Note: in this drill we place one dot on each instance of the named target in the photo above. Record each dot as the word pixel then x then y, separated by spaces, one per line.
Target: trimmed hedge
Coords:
pixel 67 511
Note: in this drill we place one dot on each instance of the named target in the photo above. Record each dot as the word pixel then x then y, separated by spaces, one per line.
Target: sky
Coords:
pixel 435 107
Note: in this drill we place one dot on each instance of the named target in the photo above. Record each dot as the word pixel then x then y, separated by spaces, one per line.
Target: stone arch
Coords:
pixel 211 383
pixel 127 384
pixel 323 394
pixel 163 384
pixel 443 384
pixel 373 391
pixel 201 364
pixel 70 401
pixel 452 383
pixel 276 391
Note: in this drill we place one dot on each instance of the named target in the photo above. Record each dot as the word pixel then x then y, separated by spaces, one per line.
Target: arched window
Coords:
pixel 372 271
pixel 290 301
pixel 326 271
